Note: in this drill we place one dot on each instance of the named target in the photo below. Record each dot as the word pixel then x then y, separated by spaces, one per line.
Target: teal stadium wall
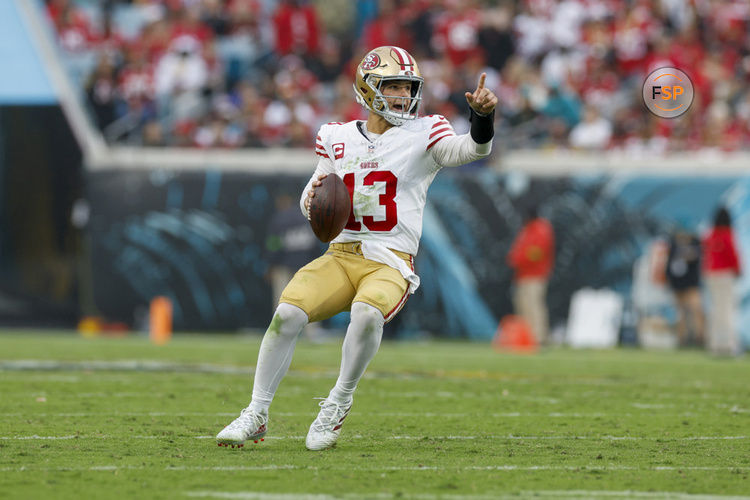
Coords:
pixel 156 242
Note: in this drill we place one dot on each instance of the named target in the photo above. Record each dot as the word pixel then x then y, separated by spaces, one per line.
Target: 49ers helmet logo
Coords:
pixel 372 61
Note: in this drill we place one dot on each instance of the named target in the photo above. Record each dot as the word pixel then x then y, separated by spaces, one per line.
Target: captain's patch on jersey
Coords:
pixel 338 150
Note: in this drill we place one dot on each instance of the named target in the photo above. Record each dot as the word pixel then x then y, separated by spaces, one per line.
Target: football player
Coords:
pixel 387 162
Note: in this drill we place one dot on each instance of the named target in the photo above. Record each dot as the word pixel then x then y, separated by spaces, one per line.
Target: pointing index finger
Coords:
pixel 482 77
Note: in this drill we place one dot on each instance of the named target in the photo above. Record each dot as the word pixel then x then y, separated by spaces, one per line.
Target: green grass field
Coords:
pixel 121 418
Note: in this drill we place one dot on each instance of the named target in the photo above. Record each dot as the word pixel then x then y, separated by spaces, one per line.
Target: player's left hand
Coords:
pixel 483 100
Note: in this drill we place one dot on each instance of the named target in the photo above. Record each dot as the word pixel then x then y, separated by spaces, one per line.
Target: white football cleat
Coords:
pixel 325 429
pixel 249 425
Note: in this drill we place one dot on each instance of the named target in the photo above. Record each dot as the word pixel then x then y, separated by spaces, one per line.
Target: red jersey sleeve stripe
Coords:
pixel 321 154
pixel 437 140
pixel 440 123
pixel 440 131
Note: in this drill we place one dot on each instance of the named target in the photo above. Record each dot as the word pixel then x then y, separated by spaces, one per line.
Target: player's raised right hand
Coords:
pixel 482 100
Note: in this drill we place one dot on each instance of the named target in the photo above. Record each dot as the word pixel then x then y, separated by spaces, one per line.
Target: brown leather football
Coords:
pixel 330 208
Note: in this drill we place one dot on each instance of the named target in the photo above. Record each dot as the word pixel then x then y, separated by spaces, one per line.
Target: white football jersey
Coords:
pixel 388 175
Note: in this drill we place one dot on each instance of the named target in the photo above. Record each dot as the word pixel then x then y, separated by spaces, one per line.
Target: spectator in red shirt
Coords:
pixel 74 30
pixel 456 31
pixel 297 28
pixel 188 22
pixel 136 80
pixel 388 28
pixel 721 266
pixel 532 256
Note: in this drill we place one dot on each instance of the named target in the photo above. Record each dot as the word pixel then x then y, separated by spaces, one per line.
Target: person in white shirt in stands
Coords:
pixel 594 132
pixel 179 78
pixel 387 162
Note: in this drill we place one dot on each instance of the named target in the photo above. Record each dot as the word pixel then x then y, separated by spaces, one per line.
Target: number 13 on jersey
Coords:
pixel 386 199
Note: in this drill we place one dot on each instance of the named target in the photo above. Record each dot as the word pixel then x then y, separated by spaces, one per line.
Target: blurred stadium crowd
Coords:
pixel 263 73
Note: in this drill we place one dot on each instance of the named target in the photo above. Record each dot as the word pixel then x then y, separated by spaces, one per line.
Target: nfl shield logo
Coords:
pixel 371 148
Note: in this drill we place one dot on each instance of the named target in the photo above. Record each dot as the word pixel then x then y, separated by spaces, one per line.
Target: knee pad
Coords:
pixel 370 318
pixel 288 319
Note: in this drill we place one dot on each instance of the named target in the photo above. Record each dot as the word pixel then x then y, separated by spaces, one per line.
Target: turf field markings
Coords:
pixel 594 438
pixel 300 390
pixel 648 406
pixel 490 394
pixel 406 437
pixel 108 395
pixel 393 468
pixel 238 467
pixel 35 437
pixel 670 495
pixel 25 365
pixel 120 365
pixel 313 413
pixel 486 395
pixel 259 495
pixel 127 414
pixel 44 377
pixel 256 495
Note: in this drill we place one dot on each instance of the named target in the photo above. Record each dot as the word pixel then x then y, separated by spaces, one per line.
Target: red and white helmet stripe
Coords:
pixel 403 57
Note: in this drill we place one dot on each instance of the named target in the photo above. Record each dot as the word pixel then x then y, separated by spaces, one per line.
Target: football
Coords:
pixel 330 208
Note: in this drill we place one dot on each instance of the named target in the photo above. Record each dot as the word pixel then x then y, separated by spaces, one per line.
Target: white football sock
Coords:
pixel 360 345
pixel 275 354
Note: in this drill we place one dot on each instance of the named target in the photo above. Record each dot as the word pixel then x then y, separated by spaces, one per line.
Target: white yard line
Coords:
pixel 407 437
pixel 129 414
pixel 670 495
pixel 487 395
pixel 498 468
pixel 57 366
pixel 258 495
pixel 122 365
pixel 313 413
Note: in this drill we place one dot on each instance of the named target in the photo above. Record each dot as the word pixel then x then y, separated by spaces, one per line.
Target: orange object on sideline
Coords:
pixel 160 320
pixel 514 334
pixel 90 327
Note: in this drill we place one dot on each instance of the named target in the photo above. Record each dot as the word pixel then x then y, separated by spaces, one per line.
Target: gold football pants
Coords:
pixel 331 283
